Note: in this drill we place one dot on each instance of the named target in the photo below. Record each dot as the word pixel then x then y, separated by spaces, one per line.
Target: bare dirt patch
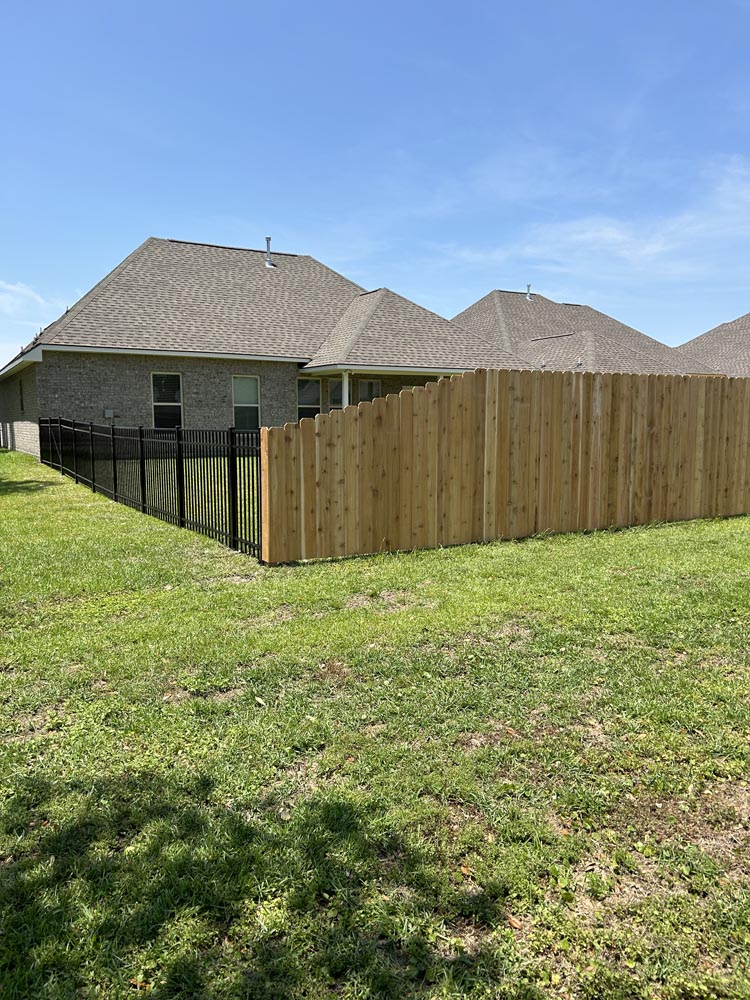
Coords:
pixel 514 630
pixel 499 733
pixel 721 808
pixel 463 938
pixel 334 671
pixel 373 728
pixel 234 579
pixel 621 890
pixel 388 601
pixel 34 725
pixel 175 695
pixel 593 732
pixel 224 695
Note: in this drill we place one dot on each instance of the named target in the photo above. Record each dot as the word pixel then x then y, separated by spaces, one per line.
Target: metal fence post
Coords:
pixel 59 442
pixel 142 468
pixel 180 469
pixel 75 453
pixel 91 455
pixel 233 485
pixel 114 461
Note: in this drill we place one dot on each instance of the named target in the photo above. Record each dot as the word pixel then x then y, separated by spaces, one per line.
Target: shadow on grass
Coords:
pixel 153 880
pixel 23 485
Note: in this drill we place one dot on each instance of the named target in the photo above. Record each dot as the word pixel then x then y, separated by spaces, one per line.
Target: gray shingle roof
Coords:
pixel 170 295
pixel 383 329
pixel 588 351
pixel 514 320
pixel 726 348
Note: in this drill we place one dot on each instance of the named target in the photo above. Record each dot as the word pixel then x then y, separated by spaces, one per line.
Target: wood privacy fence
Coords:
pixel 505 454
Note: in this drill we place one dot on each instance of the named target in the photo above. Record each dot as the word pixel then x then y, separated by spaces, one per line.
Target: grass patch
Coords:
pixel 517 770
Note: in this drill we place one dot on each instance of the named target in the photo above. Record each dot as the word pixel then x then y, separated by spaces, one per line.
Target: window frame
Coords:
pixel 21 404
pixel 371 381
pixel 310 378
pixel 331 380
pixel 247 406
pixel 154 404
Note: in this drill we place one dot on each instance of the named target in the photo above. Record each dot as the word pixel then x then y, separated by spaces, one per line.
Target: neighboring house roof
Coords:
pixel 515 319
pixel 383 329
pixel 170 295
pixel 726 348
pixel 591 352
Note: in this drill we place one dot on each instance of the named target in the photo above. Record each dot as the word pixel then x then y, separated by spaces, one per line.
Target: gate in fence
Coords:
pixel 204 480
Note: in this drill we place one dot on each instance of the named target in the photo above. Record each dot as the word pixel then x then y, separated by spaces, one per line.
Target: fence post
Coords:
pixel 75 453
pixel 43 440
pixel 59 442
pixel 234 530
pixel 180 477
pixel 267 552
pixel 91 456
pixel 114 461
pixel 142 468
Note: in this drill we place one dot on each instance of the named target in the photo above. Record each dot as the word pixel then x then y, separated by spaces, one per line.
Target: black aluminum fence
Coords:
pixel 207 481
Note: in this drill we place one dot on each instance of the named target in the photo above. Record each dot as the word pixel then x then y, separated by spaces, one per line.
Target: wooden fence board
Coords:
pixel 493 454
pixel 502 453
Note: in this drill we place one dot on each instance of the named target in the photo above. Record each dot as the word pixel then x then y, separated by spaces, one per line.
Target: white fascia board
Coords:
pixel 173 354
pixel 35 354
pixel 403 370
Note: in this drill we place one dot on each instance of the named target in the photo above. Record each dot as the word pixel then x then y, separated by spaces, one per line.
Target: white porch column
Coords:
pixel 345 388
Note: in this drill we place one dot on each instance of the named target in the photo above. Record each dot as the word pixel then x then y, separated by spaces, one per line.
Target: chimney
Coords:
pixel 528 293
pixel 269 262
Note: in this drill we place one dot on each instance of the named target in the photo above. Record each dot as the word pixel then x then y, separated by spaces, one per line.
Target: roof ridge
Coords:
pixel 360 329
pixel 223 246
pixel 507 342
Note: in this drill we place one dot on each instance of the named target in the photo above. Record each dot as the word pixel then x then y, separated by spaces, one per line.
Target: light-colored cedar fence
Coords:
pixel 505 454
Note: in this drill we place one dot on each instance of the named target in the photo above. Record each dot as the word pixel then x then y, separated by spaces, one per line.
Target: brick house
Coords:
pixel 197 335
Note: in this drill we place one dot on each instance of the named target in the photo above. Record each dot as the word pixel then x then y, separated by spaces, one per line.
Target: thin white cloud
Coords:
pixel 706 240
pixel 23 310
pixel 17 298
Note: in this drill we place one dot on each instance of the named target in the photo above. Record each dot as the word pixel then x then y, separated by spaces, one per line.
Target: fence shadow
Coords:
pixel 141 853
pixel 23 485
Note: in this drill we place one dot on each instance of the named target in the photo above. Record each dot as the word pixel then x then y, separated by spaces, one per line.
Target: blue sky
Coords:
pixel 599 151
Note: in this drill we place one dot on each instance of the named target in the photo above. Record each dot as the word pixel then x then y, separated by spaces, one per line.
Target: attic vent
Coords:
pixel 269 262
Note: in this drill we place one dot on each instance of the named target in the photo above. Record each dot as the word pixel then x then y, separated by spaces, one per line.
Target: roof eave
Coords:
pixel 138 351
pixel 21 361
pixel 401 369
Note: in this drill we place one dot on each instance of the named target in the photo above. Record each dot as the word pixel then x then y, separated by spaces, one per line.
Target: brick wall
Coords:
pixel 19 429
pixel 81 386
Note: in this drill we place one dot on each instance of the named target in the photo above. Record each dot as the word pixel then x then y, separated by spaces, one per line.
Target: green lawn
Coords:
pixel 516 770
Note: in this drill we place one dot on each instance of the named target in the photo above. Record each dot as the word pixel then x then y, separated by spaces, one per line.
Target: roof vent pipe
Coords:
pixel 269 262
pixel 528 293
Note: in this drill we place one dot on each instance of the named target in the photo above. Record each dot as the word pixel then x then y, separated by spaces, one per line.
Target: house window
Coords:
pixel 166 388
pixel 335 393
pixel 369 389
pixel 308 397
pixel 246 399
pixel 20 394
